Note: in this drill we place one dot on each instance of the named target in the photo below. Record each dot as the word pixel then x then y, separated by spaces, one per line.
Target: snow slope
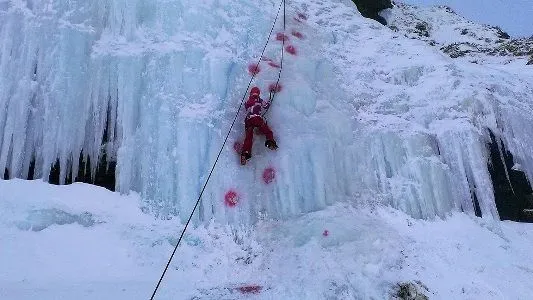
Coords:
pixel 46 254
pixel 515 17
pixel 365 113
pixel 458 37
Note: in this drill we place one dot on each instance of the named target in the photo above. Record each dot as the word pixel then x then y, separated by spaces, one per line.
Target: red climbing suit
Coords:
pixel 255 107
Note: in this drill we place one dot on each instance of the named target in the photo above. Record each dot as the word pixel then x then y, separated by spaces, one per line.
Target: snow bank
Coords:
pixel 341 252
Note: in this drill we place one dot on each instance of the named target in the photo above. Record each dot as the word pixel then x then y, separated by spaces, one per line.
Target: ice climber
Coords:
pixel 255 108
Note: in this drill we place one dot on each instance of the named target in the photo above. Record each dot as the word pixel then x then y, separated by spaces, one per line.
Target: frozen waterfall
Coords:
pixel 391 121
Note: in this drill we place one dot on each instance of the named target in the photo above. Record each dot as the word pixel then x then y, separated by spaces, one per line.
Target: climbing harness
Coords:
pixel 282 4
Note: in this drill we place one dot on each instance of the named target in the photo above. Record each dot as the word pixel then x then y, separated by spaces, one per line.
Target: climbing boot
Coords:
pixel 271 145
pixel 245 156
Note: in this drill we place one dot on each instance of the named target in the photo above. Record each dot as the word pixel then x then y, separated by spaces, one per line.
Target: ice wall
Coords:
pixel 158 76
pixel 163 80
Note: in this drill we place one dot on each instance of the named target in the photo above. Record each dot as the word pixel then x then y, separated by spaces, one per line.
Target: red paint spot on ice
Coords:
pixel 237 146
pixel 273 64
pixel 275 88
pixel 297 34
pixel 281 37
pixel 325 233
pixel 302 16
pixel 291 49
pixel 231 199
pixel 269 174
pixel 250 289
pixel 254 69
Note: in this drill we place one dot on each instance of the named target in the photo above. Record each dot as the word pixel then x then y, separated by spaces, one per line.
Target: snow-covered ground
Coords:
pixel 515 16
pixel 84 242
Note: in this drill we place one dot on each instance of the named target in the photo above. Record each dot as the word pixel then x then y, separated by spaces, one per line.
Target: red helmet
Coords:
pixel 255 91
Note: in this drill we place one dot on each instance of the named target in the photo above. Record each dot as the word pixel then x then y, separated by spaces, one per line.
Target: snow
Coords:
pixel 457 36
pixel 367 251
pixel 514 17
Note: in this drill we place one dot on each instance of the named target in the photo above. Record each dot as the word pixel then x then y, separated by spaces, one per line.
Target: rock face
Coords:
pixel 411 291
pixel 512 190
pixel 458 37
pixel 530 62
pixel 371 8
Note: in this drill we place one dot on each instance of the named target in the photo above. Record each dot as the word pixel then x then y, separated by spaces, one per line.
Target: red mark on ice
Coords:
pixel 250 289
pixel 269 174
pixel 273 64
pixel 237 146
pixel 297 34
pixel 231 199
pixel 281 37
pixel 302 16
pixel 291 49
pixel 254 69
pixel 325 233
pixel 275 88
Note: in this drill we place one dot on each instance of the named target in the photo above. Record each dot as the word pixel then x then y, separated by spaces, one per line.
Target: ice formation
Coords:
pixel 364 113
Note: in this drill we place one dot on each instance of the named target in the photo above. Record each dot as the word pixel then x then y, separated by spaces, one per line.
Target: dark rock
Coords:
pixel 454 50
pixel 513 47
pixel 530 62
pixel 447 9
pixel 103 176
pixel 371 8
pixel 512 190
pixel 422 29
pixel 529 200
pixel 527 215
pixel 501 34
pixel 411 291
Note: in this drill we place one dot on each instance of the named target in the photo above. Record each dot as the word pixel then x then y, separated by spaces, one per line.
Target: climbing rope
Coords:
pixel 276 86
pixel 282 3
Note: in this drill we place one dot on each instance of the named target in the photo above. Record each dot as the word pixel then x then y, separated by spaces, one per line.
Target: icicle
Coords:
pixel 498 142
pixel 155 87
